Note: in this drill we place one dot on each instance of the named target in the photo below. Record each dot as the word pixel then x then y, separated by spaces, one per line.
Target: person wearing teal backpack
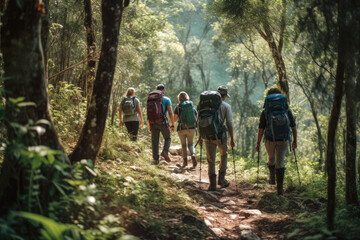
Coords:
pixel 276 120
pixel 186 115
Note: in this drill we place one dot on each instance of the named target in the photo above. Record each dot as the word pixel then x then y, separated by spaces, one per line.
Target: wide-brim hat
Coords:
pixel 223 90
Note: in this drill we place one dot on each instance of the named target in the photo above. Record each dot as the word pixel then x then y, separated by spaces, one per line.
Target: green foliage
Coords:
pixel 51 230
pixel 68 109
pixel 313 226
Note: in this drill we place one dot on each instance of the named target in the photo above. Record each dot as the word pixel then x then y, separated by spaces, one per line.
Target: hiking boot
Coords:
pixel 155 162
pixel 222 181
pixel 184 163
pixel 280 172
pixel 194 162
pixel 165 156
pixel 272 175
pixel 212 186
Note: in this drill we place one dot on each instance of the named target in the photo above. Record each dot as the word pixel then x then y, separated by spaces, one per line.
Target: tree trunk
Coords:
pixel 358 100
pixel 351 117
pixel 276 50
pixel 89 72
pixel 25 77
pixel 3 5
pixel 318 128
pixel 92 133
pixel 279 63
pixel 334 119
pixel 45 27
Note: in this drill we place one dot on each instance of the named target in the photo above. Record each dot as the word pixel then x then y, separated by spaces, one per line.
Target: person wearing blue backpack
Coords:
pixel 276 120
pixel 186 115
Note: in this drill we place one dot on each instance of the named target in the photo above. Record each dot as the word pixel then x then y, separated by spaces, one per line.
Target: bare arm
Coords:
pixel 175 117
pixel 140 114
pixel 148 124
pixel 171 116
pixel 120 112
pixel 231 133
pixel 294 132
pixel 260 135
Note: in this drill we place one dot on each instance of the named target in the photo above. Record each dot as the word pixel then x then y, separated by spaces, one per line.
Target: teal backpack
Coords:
pixel 187 116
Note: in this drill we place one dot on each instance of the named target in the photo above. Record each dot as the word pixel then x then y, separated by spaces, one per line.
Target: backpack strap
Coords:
pixel 133 98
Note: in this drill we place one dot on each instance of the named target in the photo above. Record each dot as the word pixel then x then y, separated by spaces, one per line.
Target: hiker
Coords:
pixel 130 106
pixel 276 120
pixel 158 105
pixel 186 115
pixel 214 111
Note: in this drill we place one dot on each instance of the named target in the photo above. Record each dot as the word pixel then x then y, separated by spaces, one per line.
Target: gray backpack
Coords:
pixel 128 105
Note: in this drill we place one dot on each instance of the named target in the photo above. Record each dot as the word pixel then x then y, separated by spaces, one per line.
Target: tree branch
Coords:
pixel 87 59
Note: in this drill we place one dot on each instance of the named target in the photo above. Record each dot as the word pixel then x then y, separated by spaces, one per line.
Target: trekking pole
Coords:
pixel 232 149
pixel 297 168
pixel 200 159
pixel 258 162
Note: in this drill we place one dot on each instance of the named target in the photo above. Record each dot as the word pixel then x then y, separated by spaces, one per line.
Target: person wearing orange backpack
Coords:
pixel 158 106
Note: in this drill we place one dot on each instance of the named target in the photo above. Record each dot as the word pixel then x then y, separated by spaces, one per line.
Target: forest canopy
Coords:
pixel 68 169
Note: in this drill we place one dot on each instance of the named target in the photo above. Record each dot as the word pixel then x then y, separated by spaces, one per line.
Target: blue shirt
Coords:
pixel 165 101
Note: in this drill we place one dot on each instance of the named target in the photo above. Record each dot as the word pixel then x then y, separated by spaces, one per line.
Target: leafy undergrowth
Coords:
pixel 139 196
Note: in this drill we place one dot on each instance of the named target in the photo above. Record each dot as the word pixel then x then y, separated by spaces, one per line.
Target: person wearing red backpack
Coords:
pixel 158 106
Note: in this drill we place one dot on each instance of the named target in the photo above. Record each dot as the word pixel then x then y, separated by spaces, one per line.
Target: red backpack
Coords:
pixel 154 107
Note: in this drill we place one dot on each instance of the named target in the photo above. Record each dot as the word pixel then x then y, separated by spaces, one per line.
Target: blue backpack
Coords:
pixel 187 117
pixel 277 119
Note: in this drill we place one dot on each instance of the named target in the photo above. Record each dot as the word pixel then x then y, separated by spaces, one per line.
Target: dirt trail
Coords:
pixel 229 213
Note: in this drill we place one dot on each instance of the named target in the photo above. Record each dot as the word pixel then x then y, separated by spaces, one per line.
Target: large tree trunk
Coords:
pixel 25 77
pixel 351 117
pixel 92 133
pixel 352 99
pixel 334 119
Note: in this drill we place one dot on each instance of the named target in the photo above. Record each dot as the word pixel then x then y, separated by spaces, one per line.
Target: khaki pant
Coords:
pixel 187 135
pixel 211 146
pixel 276 152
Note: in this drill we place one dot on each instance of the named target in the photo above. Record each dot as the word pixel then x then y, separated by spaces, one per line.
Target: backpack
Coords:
pixel 209 123
pixel 154 107
pixel 187 117
pixel 277 119
pixel 128 105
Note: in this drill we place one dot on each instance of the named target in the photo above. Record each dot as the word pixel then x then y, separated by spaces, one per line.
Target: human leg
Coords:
pixel 222 146
pixel 280 152
pixel 270 149
pixel 182 136
pixel 155 134
pixel 165 131
pixel 210 156
pixel 190 139
pixel 132 128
